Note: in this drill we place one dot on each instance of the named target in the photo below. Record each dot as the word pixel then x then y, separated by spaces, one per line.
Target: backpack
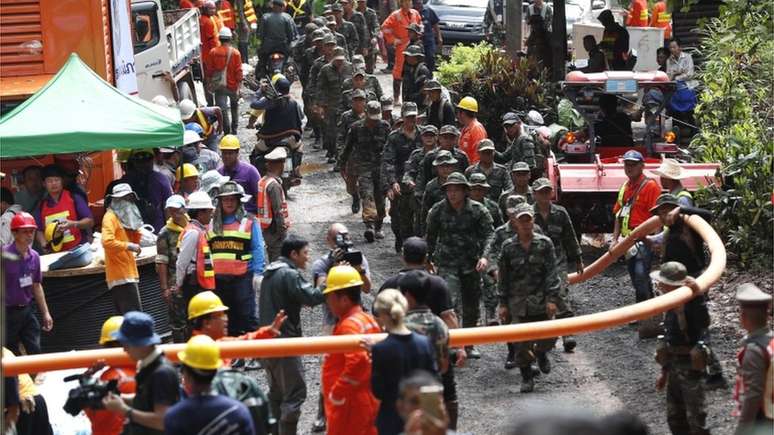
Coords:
pixel 239 386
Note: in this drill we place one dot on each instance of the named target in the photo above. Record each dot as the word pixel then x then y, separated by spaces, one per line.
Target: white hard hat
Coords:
pixel 175 201
pixel 534 118
pixel 190 137
pixel 187 108
pixel 225 33
pixel 160 100
pixel 278 153
pixel 199 200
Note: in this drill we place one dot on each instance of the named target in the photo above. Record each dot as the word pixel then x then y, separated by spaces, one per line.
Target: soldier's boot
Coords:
pixel 510 360
pixel 527 379
pixel 319 423
pixel 398 245
pixel 396 92
pixel 472 352
pixel 288 427
pixel 369 232
pixel 543 362
pixel 491 316
pixel 715 379
pixel 569 343
pixel 378 233
pixel 355 204
pixel 453 409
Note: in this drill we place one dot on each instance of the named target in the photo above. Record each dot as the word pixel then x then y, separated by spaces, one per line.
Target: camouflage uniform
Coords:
pixel 372 30
pixel 328 96
pixel 372 89
pixel 424 322
pixel 498 177
pixel 504 196
pixel 364 147
pixel 520 149
pixel 427 172
pixel 345 123
pixel 349 31
pixel 166 256
pixel 396 152
pixel 414 78
pixel 456 241
pixel 413 166
pixel 489 285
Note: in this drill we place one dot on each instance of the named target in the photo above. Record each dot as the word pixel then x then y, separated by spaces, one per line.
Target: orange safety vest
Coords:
pixel 226 14
pixel 265 214
pixel 662 19
pixel 250 12
pixel 205 273
pixel 638 14
pixel 231 250
pixel 206 126
pixel 61 211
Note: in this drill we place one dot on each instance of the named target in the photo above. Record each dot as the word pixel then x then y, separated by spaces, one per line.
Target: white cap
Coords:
pixel 190 137
pixel 200 200
pixel 534 118
pixel 175 201
pixel 225 32
pixel 187 108
pixel 278 153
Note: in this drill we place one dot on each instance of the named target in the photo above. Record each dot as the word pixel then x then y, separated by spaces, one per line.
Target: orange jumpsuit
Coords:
pixel 350 406
pixel 469 139
pixel 660 17
pixel 395 32
pixel 638 14
pixel 209 28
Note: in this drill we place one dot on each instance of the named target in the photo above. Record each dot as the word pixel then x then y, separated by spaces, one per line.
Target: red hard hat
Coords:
pixel 23 221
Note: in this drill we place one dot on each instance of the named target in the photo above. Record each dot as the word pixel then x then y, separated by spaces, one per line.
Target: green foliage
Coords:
pixel 735 113
pixel 498 83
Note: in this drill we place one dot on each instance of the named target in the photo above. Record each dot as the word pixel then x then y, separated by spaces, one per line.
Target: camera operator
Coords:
pixel 158 384
pixel 340 251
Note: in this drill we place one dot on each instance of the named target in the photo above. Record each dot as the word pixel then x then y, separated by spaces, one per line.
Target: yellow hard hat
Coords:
pixel 49 233
pixel 276 77
pixel 205 303
pixel 111 325
pixel 185 171
pixel 229 142
pixel 468 103
pixel 122 156
pixel 341 277
pixel 201 353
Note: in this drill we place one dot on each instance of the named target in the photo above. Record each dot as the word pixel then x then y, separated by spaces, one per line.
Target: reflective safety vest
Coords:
pixel 205 274
pixel 226 14
pixel 265 214
pixel 63 210
pixel 250 12
pixel 231 250
pixel 625 210
pixel 661 18
pixel 298 10
pixel 206 126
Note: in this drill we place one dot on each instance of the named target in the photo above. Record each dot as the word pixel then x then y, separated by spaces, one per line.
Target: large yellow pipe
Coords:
pixel 459 337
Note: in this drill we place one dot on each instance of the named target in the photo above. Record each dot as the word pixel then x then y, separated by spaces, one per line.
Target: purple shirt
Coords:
pixel 154 188
pixel 247 176
pixel 81 209
pixel 20 275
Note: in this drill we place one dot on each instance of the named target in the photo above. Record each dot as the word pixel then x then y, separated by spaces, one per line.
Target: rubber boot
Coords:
pixel 527 380
pixel 569 343
pixel 543 362
pixel 355 204
pixel 473 353
pixel 319 423
pixel 510 360
pixel 369 232
pixel 453 410
pixel 396 92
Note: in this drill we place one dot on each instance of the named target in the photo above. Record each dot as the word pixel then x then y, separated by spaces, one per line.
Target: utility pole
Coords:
pixel 513 23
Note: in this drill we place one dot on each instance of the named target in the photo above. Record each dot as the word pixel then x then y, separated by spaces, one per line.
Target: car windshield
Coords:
pixel 460 3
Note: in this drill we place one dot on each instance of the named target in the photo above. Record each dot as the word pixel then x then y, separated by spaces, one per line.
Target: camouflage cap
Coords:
pixel 430 129
pixel 310 28
pixel 374 110
pixel 414 27
pixel 670 273
pixel 320 21
pixel 749 294
pixel 522 209
pixel 358 59
pixel 456 178
pixel 512 201
pixel 664 199
pixel 542 183
pixel 511 118
pixel 432 85
pixel 485 145
pixel 479 180
pixel 318 35
pixel 413 51
pixel 450 129
pixel 409 109
pixel 520 167
pixel 358 93
pixel 339 54
pixel 327 10
pixel 444 157
pixel 329 40
pixel 331 22
pixel 359 72
pixel 386 102
pixel 337 7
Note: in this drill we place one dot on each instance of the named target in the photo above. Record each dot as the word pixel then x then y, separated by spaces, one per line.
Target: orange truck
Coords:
pixel 37 36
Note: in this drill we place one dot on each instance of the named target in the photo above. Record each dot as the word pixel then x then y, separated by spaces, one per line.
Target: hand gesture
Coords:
pixel 276 324
pixel 481 264
pixel 550 310
pixel 48 322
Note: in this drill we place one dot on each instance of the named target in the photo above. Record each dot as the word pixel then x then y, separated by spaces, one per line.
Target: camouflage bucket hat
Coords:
pixel 358 93
pixel 670 273
pixel 430 129
pixel 485 145
pixel 444 158
pixel 318 35
pixel 413 51
pixel 542 183
pixel 521 210
pixel 450 129
pixel 456 178
pixel 409 109
pixel 664 199
pixel 512 201
pixel 374 110
pixel 520 167
pixel 479 180
pixel 339 54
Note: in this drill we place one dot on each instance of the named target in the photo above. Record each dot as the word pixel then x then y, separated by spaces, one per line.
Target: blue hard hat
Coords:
pixel 195 127
pixel 137 329
pixel 282 86
pixel 634 156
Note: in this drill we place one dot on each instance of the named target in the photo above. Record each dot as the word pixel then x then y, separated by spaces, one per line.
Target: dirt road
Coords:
pixel 610 370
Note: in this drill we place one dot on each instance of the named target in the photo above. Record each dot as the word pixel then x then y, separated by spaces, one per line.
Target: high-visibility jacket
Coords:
pixel 206 126
pixel 297 6
pixel 350 406
pixel 64 209
pixel 250 13
pixel 226 14
pixel 231 250
pixel 208 30
pixel 105 422
pixel 265 213
pixel 205 273
pixel 638 14
pixel 470 136
pixel 395 27
pixel 661 18
pixel 634 202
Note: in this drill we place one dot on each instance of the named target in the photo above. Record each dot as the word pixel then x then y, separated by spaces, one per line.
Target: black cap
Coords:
pixel 415 247
pixel 414 281
pixel 52 171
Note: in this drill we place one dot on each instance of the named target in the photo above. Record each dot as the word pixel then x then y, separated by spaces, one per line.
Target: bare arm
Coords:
pixel 40 299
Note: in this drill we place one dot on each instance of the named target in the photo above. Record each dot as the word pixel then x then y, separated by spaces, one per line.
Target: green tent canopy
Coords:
pixel 77 111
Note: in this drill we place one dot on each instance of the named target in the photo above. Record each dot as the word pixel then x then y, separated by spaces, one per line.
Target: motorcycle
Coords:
pixel 281 63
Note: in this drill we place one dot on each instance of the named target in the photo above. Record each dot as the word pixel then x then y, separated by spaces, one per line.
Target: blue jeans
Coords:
pixel 237 294
pixel 639 272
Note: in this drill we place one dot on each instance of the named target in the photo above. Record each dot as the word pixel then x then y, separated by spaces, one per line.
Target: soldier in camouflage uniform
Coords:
pixel 682 353
pixel 318 123
pixel 529 290
pixel 400 144
pixel 413 165
pixel 358 20
pixel 415 74
pixel 516 144
pixel 166 259
pixel 448 137
pixel 420 318
pixel 328 96
pixel 497 175
pixel 341 40
pixel 479 189
pixel 360 80
pixel 520 174
pixel 364 145
pixel 345 122
pixel 557 225
pixel 444 164
pixel 458 229
pixel 346 28
pixel 387 115
pixel 368 44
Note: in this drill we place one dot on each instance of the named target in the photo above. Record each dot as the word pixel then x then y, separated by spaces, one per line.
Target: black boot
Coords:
pixel 453 409
pixel 569 343
pixel 527 381
pixel 319 423
pixel 369 233
pixel 355 204
pixel 543 362
pixel 510 360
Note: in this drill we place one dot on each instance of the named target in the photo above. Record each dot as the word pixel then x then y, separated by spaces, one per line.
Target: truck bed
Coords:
pixel 183 36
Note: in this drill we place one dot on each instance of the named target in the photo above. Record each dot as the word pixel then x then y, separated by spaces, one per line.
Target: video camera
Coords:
pixel 352 256
pixel 88 394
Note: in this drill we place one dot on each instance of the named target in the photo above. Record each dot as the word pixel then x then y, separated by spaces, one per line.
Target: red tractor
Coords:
pixel 623 110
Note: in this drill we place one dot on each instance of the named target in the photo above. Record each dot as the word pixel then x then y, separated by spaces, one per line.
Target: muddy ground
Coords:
pixel 611 370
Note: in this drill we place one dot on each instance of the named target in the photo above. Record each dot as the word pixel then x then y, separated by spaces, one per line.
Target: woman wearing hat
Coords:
pixel 121 241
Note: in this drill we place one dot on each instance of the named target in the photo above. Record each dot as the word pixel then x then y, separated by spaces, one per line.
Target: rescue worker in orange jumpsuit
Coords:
pixel 226 14
pixel 395 30
pixel 209 27
pixel 637 15
pixel 350 406
pixel 105 422
pixel 661 17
